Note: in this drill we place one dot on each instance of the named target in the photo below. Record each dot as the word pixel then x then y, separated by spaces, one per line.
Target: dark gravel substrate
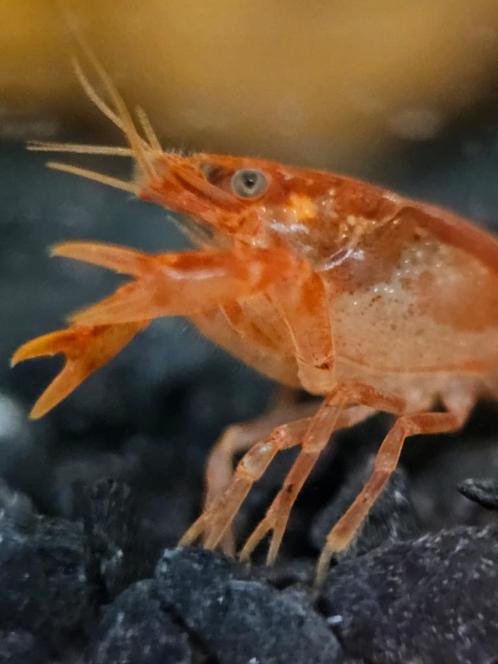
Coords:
pixel 427 599
pixel 94 497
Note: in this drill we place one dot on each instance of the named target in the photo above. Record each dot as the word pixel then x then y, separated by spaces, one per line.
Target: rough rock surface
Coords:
pixel 240 619
pixel 484 492
pixel 112 537
pixel 21 647
pixel 44 585
pixel 431 599
pixel 136 628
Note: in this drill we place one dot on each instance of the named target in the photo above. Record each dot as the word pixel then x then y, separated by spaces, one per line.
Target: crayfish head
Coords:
pixel 250 200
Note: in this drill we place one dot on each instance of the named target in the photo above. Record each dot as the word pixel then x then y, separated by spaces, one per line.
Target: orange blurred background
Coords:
pixel 321 82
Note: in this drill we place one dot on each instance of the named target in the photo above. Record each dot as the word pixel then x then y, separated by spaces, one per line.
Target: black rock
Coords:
pixel 484 492
pixel 239 619
pixel 23 582
pixel 287 573
pixel 437 465
pixel 15 505
pixel 428 600
pixel 42 577
pixel 20 647
pixel 112 536
pixel 136 629
pixel 391 519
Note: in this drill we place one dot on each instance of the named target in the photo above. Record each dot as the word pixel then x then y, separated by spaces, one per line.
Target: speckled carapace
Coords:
pixel 372 301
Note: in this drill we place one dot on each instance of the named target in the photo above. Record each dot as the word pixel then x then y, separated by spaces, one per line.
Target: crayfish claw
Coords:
pixel 86 349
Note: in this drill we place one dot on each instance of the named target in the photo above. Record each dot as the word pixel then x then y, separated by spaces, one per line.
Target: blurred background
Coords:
pixel 401 93
pixel 325 83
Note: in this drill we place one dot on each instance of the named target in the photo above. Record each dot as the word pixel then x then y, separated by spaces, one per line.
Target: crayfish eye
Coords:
pixel 249 183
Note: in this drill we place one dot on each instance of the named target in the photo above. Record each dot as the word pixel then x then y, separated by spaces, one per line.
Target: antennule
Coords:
pixel 94 175
pixel 79 148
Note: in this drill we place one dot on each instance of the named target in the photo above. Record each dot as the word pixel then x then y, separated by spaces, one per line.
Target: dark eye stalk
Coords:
pixel 212 173
pixel 249 183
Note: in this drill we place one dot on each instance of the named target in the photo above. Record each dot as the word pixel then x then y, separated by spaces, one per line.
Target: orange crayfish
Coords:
pixel 372 301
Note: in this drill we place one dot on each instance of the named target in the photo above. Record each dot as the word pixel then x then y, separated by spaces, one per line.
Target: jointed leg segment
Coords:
pixel 328 419
pixel 239 438
pixel 220 512
pixel 386 461
pixel 312 434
